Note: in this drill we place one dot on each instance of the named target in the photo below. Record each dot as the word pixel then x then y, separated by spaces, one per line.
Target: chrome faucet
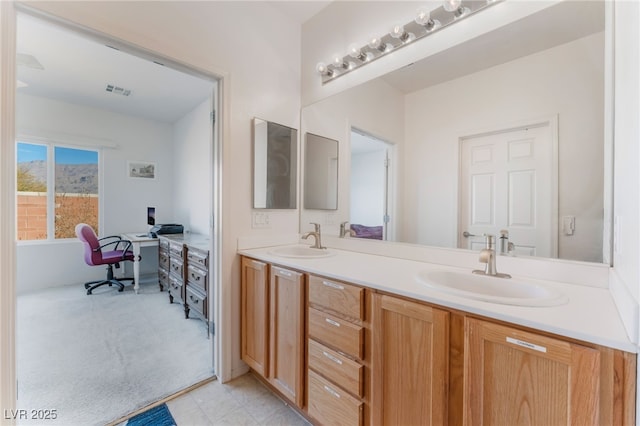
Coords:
pixel 488 257
pixel 506 246
pixel 344 229
pixel 316 235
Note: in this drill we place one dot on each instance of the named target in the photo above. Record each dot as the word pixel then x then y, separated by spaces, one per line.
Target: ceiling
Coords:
pixel 78 70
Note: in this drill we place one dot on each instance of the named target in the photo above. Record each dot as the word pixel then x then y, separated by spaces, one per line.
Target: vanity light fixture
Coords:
pixel 425 23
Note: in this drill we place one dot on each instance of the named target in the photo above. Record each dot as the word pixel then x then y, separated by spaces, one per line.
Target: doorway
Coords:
pixel 42 86
pixel 370 189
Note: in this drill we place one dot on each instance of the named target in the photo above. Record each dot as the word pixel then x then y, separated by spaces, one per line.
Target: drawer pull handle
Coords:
pixel 285 273
pixel 331 391
pixel 197 277
pixel 333 285
pixel 332 358
pixel 332 322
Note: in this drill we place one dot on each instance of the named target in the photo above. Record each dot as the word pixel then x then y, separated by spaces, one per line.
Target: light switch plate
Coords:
pixel 260 220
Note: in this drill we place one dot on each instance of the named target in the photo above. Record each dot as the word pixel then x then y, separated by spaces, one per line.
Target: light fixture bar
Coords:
pixel 412 32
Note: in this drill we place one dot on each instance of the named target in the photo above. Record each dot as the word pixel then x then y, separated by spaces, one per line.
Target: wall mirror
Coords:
pixel 506 131
pixel 275 165
pixel 320 173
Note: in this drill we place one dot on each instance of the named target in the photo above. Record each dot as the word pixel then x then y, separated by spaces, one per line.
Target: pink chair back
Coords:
pixel 92 253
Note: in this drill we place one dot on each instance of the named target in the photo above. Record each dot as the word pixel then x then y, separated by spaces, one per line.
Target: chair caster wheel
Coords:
pixel 88 291
pixel 120 289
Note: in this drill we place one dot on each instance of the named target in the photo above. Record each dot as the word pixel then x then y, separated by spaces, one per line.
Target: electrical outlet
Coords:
pixel 260 220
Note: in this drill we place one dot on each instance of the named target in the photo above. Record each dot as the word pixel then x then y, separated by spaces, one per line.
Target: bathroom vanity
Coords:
pixel 356 339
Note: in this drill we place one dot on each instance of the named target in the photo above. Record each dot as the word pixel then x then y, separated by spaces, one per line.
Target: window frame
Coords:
pixel 51 145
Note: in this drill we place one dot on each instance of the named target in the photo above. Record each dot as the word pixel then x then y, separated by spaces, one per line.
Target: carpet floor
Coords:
pixel 94 359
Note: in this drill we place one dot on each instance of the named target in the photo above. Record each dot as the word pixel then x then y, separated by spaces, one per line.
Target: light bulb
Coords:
pixel 451 5
pixel 377 43
pixel 423 16
pixel 397 31
pixel 338 62
pixel 356 53
pixel 323 69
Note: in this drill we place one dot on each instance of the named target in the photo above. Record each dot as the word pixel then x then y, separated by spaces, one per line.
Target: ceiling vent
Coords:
pixel 116 90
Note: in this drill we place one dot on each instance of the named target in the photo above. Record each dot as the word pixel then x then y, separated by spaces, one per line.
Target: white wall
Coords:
pixel 362 108
pixel 625 275
pixel 367 188
pixel 124 200
pixel 192 170
pixel 567 80
pixel 257 49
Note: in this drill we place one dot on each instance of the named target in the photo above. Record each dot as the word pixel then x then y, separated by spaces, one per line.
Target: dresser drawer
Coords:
pixel 341 370
pixel 163 259
pixel 175 249
pixel 197 277
pixel 175 267
pixel 163 244
pixel 163 277
pixel 331 405
pixel 198 257
pixel 196 301
pixel 342 298
pixel 336 332
pixel 175 288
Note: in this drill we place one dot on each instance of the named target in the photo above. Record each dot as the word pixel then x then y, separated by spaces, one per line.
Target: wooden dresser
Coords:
pixel 183 269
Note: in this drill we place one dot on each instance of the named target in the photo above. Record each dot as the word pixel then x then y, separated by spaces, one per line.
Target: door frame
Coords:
pixel 390 200
pixel 552 122
pixel 219 298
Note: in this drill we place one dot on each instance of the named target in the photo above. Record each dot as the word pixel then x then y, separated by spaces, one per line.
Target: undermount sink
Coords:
pixel 301 252
pixel 506 291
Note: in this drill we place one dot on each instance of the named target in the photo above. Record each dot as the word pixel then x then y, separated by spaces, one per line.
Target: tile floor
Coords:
pixel 243 401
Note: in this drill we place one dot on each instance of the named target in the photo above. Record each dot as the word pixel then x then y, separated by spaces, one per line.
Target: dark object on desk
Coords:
pixel 95 255
pixel 167 228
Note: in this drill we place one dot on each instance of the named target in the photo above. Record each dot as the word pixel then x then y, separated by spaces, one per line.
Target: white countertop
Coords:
pixel 590 314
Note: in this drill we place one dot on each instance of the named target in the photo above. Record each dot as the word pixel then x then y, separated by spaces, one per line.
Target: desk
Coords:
pixel 138 240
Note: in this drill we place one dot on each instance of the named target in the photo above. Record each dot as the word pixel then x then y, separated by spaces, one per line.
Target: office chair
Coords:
pixel 94 255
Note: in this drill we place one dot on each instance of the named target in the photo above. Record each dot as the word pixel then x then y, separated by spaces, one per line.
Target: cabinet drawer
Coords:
pixel 335 295
pixel 198 257
pixel 196 301
pixel 330 405
pixel 338 333
pixel 197 277
pixel 343 371
pixel 163 259
pixel 175 267
pixel 163 244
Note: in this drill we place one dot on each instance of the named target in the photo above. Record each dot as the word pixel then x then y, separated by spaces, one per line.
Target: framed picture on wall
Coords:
pixel 141 169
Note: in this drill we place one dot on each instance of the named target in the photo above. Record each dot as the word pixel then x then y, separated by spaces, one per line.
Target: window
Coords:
pixel 57 189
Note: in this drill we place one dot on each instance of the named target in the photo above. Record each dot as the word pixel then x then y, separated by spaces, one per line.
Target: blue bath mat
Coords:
pixel 156 416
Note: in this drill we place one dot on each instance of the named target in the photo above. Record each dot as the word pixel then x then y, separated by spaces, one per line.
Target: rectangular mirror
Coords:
pixel 533 109
pixel 275 165
pixel 320 173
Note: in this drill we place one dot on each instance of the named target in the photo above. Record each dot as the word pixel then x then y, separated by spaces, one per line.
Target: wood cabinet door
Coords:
pixel 512 377
pixel 255 315
pixel 410 363
pixel 287 333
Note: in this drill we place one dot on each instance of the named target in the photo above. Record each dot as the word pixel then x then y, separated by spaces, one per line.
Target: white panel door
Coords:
pixel 508 181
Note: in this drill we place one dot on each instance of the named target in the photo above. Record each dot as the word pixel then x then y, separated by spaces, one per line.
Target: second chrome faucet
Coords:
pixel 488 257
pixel 317 236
